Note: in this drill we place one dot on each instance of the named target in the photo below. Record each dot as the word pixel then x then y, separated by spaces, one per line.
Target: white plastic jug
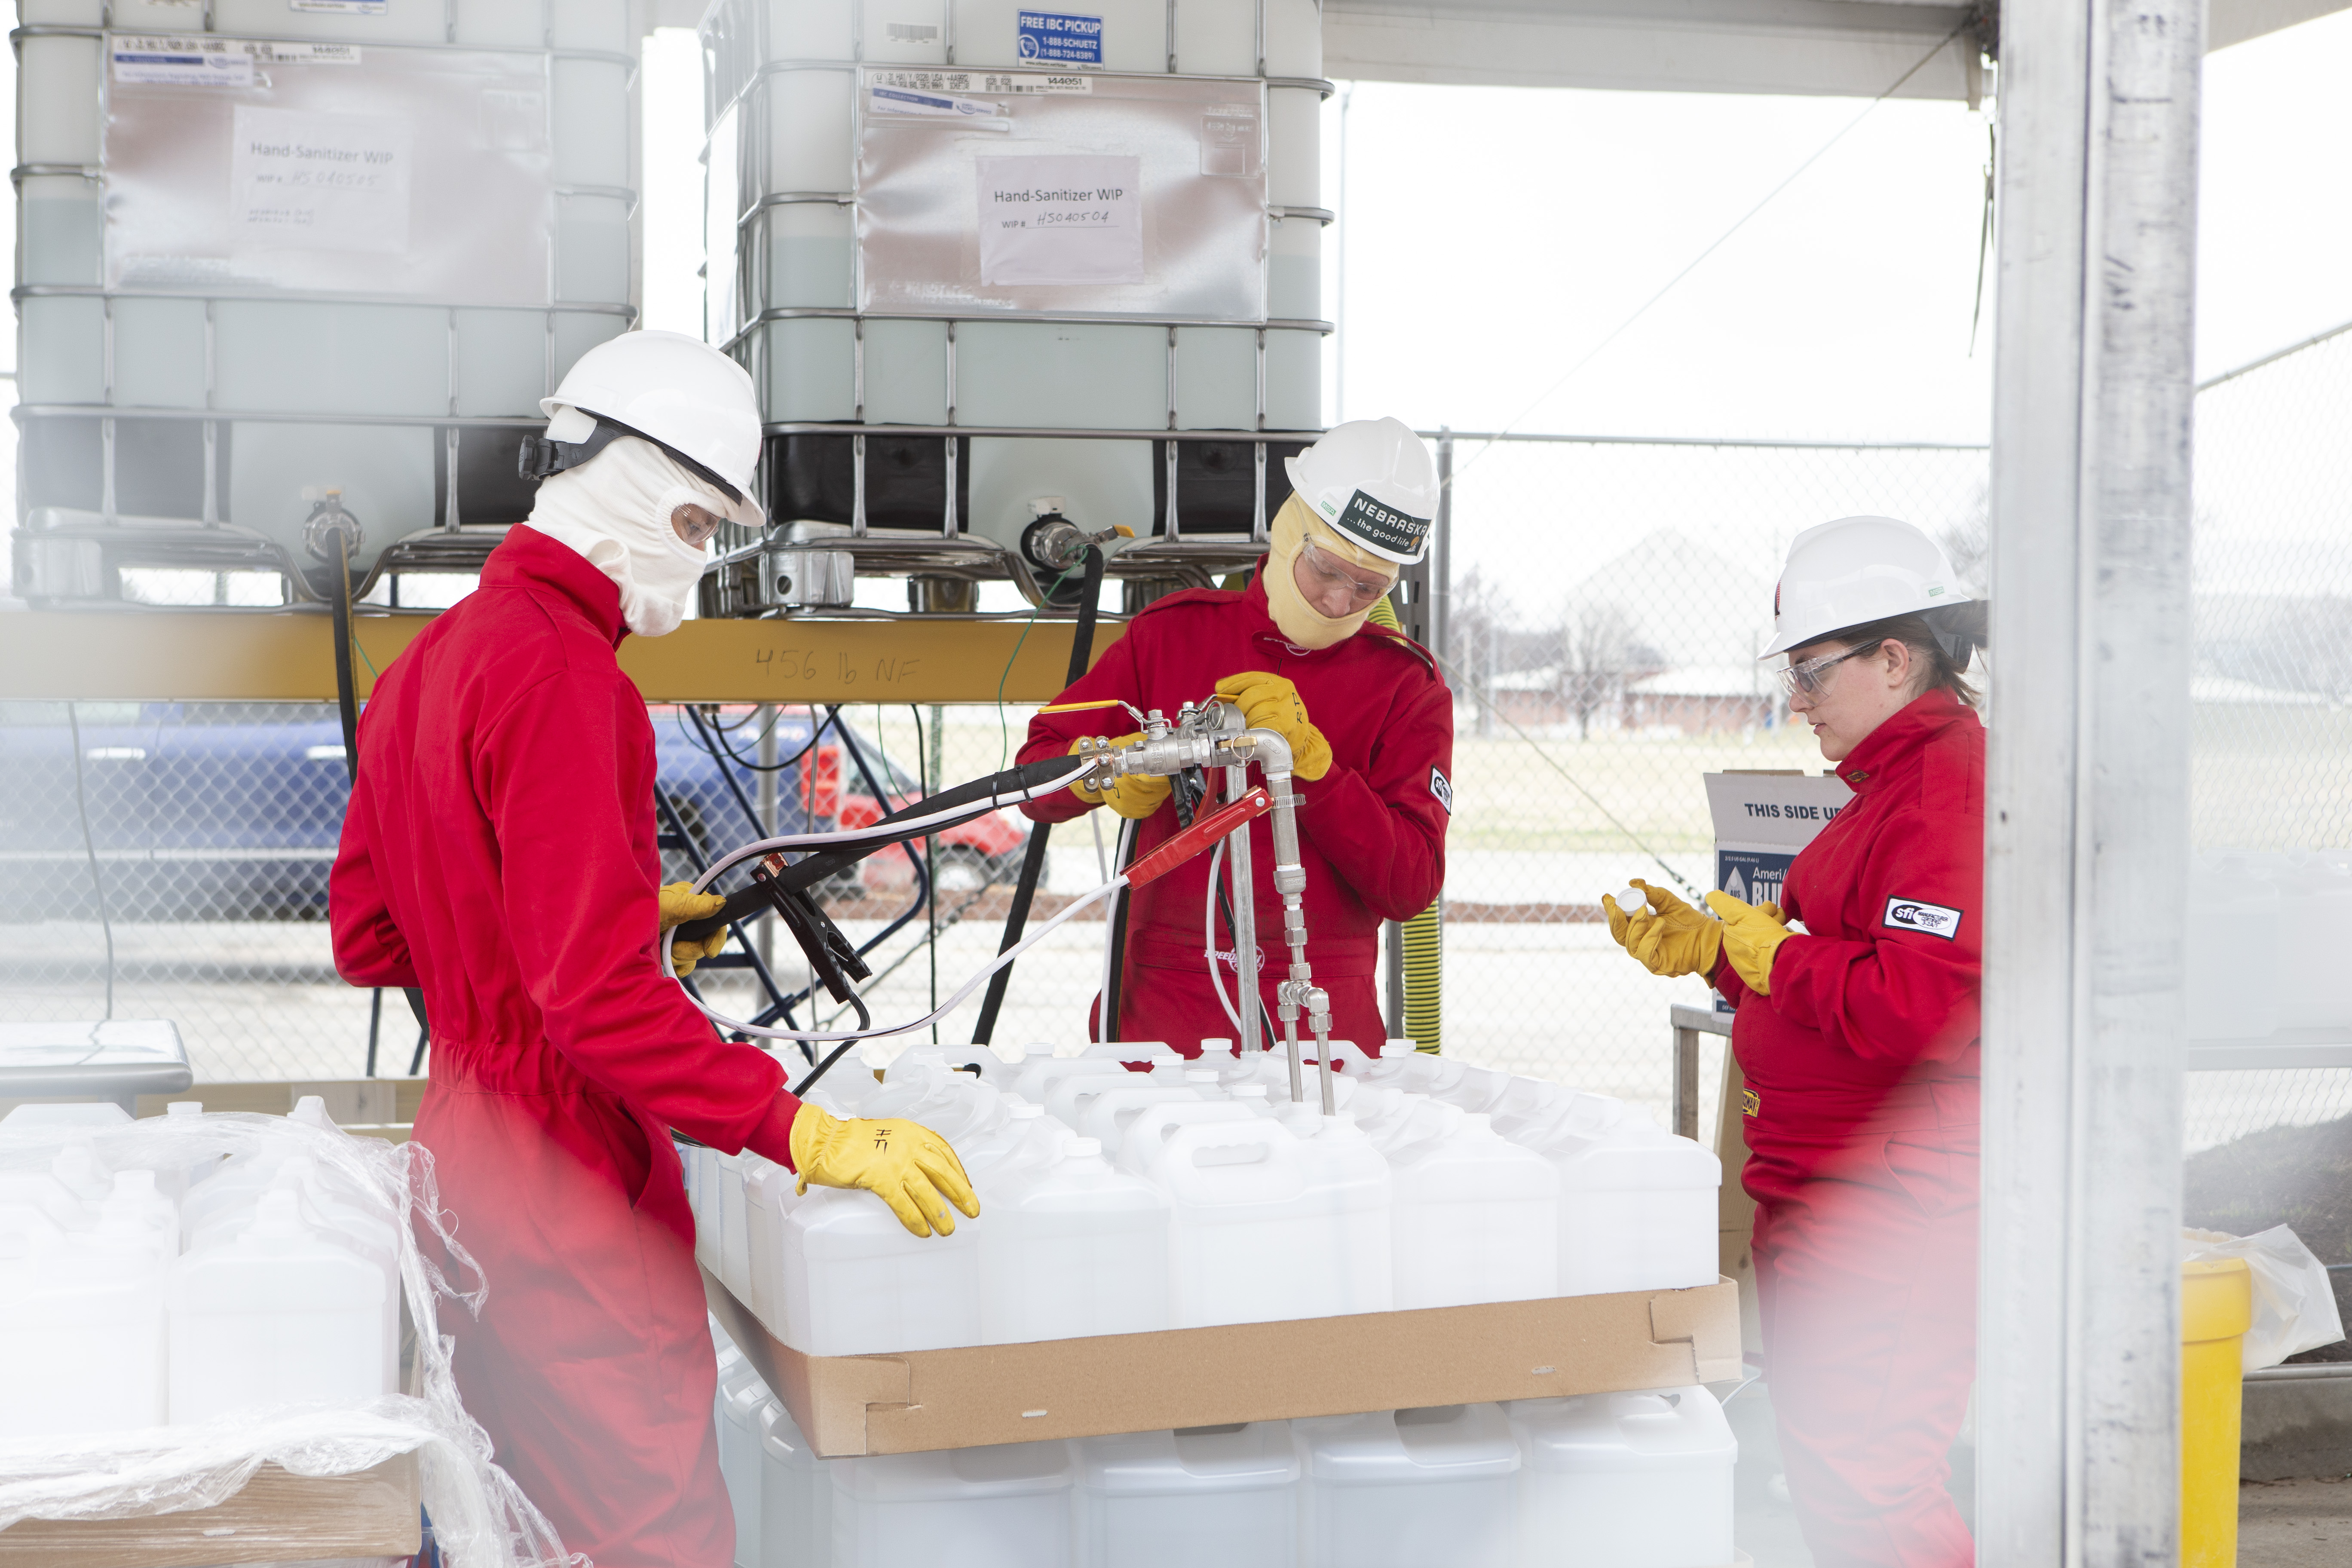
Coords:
pixel 1107 1115
pixel 1071 1250
pixel 147 1210
pixel 1637 1204
pixel 857 1283
pixel 1477 1218
pixel 1068 1098
pixel 1039 1074
pixel 37 1201
pixel 1268 1227
pixel 1003 1507
pixel 1147 1136
pixel 795 1496
pixel 1227 1496
pixel 82 1316
pixel 768 1195
pixel 280 1315
pixel 741 1399
pixel 1624 1480
pixel 1407 1488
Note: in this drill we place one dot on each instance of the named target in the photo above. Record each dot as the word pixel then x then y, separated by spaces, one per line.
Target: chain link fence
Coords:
pixel 1608 600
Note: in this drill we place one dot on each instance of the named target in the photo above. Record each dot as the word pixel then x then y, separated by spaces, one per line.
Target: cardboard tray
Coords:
pixel 277 1517
pixel 917 1400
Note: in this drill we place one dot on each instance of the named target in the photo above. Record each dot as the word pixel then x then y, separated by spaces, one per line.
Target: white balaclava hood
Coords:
pixel 615 509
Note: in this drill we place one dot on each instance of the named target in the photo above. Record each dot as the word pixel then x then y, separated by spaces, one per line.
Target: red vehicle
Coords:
pixel 824 788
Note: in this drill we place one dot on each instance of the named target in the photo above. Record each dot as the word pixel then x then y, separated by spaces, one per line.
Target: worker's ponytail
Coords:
pixel 1943 643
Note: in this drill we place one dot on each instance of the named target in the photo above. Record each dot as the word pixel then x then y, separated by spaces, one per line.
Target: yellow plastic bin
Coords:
pixel 2216 1308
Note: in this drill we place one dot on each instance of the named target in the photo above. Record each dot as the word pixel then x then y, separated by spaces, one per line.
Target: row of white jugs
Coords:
pixel 1115 1201
pixel 2266 930
pixel 180 1295
pixel 1603 1480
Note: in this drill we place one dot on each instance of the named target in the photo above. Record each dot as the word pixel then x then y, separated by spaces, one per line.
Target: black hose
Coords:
pixel 980 795
pixel 1124 856
pixel 865 1021
pixel 346 683
pixel 1033 859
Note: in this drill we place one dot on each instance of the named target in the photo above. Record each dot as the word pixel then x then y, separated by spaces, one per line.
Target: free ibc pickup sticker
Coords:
pixel 1055 35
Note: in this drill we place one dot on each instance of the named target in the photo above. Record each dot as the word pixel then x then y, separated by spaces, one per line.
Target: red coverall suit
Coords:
pixel 1861 1130
pixel 1372 832
pixel 499 852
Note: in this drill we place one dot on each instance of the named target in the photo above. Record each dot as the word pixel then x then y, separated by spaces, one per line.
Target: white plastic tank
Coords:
pixel 1267 1225
pixel 1624 1480
pixel 795 1496
pixel 1476 1217
pixel 847 261
pixel 200 347
pixel 857 1283
pixel 282 1314
pixel 83 1316
pixel 1404 1489
pixel 1073 1249
pixel 1222 1494
pixel 1637 1204
pixel 1147 1136
pixel 1003 1507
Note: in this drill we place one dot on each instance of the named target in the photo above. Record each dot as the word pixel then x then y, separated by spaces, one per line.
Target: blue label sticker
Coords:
pixel 1054 36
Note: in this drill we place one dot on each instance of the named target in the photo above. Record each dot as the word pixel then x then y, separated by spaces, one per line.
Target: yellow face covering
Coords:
pixel 1302 625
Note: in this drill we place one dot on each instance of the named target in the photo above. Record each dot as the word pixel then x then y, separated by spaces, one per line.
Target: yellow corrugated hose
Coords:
pixel 1424 942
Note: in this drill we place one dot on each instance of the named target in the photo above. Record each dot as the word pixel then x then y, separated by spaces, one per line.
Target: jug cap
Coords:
pixel 1024 1111
pixel 1082 1148
pixel 184 1108
pixel 1200 1075
pixel 1248 1092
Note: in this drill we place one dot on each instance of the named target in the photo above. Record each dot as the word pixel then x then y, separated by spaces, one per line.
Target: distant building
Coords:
pixel 1704 701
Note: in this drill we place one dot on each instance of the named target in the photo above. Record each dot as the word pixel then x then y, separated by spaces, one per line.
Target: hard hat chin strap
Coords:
pixel 542 458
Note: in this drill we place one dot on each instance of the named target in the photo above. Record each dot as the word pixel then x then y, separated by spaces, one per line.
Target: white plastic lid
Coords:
pixel 1200 1075
pixel 1216 1043
pixel 1630 899
pixel 184 1108
pixel 1023 1110
pixel 1082 1148
pixel 1248 1091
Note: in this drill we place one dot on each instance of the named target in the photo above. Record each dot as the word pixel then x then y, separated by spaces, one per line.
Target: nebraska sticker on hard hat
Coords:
pixel 1382 527
pixel 1927 920
pixel 1443 789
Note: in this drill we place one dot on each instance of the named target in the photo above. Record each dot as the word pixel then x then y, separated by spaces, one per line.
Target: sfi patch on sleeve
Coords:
pixel 1443 788
pixel 1927 920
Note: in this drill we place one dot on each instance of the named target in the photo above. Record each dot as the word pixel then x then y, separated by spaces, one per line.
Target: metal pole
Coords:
pixel 2087 790
pixel 1441 552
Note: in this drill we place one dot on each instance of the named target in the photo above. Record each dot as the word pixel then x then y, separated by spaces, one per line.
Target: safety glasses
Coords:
pixel 1327 571
pixel 1807 676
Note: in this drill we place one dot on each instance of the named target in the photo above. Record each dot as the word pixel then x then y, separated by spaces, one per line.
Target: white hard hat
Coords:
pixel 677 392
pixel 1374 482
pixel 1855 571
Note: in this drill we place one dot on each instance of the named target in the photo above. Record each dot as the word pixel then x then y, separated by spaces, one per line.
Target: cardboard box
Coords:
pixel 849 1405
pixel 277 1516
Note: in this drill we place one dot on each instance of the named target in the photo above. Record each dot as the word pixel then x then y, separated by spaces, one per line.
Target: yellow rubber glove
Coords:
pixel 679 904
pixel 904 1164
pixel 1667 935
pixel 1270 702
pixel 1134 796
pixel 1752 933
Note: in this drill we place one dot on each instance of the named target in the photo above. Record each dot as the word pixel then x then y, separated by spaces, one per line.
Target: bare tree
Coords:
pixel 1597 651
pixel 1968 546
pixel 1474 630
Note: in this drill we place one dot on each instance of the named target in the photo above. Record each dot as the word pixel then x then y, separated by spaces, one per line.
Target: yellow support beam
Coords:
pixel 233 656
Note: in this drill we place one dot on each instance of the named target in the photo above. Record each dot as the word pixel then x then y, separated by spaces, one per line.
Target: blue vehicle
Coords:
pixel 232 811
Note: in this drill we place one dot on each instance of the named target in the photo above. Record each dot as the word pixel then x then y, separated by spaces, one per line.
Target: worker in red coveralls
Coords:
pixel 1857 1032
pixel 1369 721
pixel 498 852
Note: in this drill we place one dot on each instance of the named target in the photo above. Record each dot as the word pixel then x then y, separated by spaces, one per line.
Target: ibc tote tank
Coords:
pixel 209 328
pixel 853 150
